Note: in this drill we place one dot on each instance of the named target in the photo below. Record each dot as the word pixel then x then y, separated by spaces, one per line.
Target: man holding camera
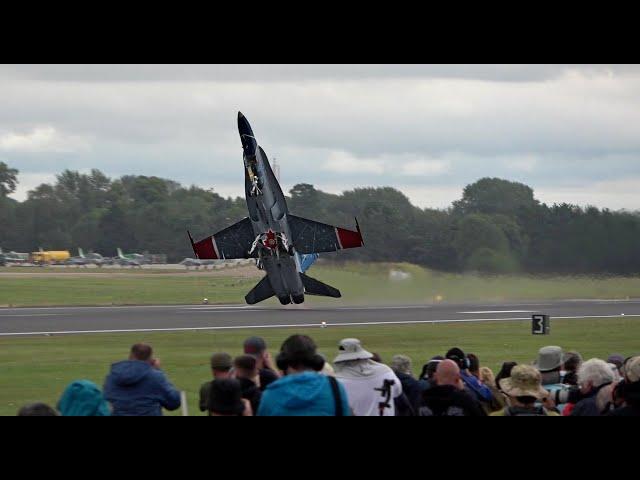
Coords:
pixel 137 386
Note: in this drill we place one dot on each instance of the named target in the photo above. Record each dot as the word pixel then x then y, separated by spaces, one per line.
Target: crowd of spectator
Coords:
pixel 300 381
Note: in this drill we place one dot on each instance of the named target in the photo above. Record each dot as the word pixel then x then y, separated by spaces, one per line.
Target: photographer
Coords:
pixel 448 397
pixel 137 386
pixel 302 391
pixel 367 382
pixel 628 390
pixel 593 375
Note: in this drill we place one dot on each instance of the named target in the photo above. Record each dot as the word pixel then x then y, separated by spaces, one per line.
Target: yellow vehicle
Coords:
pixel 49 257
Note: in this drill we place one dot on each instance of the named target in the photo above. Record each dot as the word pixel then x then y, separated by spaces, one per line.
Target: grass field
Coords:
pixel 359 283
pixel 39 368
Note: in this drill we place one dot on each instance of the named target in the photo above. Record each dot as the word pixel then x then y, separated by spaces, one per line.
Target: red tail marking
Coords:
pixel 205 249
pixel 349 239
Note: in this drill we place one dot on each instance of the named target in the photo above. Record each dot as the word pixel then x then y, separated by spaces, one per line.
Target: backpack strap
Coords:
pixel 335 389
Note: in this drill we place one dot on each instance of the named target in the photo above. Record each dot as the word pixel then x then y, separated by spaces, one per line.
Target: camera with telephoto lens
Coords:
pixel 567 394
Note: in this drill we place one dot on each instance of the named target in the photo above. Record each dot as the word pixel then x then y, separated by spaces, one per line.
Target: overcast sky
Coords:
pixel 570 132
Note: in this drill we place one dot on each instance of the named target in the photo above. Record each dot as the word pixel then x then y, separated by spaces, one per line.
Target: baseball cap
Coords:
pixel 221 361
pixel 254 345
pixel 616 359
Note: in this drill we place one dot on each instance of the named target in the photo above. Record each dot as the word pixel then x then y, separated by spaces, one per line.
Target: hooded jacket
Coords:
pixel 136 388
pixel 83 398
pixel 361 379
pixel 301 394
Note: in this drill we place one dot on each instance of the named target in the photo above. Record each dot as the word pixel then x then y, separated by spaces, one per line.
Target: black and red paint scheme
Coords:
pixel 273 236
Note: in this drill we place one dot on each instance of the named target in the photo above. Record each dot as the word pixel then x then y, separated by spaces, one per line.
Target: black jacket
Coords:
pixel 587 407
pixel 447 400
pixel 251 392
pixel 411 388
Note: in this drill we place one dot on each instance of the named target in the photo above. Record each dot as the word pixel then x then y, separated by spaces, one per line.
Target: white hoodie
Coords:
pixel 360 378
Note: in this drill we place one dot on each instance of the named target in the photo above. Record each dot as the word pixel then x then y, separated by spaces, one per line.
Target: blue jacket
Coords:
pixel 481 392
pixel 302 394
pixel 136 388
pixel 83 398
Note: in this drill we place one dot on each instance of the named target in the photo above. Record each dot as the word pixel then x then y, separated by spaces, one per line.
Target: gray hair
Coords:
pixel 596 371
pixel 401 363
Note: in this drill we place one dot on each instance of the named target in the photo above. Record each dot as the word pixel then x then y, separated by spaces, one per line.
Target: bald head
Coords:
pixel 448 373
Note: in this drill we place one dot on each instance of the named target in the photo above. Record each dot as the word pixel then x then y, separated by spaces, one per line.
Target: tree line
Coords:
pixel 497 226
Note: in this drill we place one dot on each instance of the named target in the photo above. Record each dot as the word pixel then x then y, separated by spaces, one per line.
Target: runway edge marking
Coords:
pixel 301 325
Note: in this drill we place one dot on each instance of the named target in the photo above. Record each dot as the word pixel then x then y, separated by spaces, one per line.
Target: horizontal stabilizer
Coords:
pixel 260 292
pixel 316 287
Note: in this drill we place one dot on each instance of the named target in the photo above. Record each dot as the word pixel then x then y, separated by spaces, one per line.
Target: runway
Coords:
pixel 78 320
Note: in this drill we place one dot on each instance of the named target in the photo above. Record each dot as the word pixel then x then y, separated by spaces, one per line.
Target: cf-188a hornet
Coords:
pixel 282 244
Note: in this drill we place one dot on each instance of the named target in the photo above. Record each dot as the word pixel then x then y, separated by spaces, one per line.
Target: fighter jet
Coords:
pixel 196 262
pixel 89 259
pixel 11 258
pixel 282 243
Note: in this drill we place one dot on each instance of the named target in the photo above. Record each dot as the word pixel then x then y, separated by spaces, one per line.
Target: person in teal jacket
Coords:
pixel 302 391
pixel 83 398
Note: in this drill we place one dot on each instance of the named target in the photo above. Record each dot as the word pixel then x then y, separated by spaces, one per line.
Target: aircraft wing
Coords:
pixel 232 242
pixel 309 236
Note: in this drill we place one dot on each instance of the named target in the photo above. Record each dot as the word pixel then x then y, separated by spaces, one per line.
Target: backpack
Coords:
pixel 522 412
pixel 335 389
pixel 452 411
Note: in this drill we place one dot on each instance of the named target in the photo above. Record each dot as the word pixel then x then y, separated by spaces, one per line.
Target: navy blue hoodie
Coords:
pixel 136 388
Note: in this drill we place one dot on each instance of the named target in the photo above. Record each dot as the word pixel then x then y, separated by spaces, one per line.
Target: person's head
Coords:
pixel 221 365
pixel 401 363
pixel 571 361
pixel 594 373
pixel 257 347
pixel 474 364
pixel 225 398
pixel 245 366
pixel 448 373
pixel 375 357
pixel 142 352
pixel 83 398
pixel 429 368
pixel 627 391
pixel 298 354
pixel 549 359
pixel 457 355
pixel 524 387
pixel 617 360
pixel 486 376
pixel 37 410
pixel 505 372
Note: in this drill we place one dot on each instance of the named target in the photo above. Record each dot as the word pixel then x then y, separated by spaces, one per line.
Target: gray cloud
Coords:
pixel 415 127
pixel 274 72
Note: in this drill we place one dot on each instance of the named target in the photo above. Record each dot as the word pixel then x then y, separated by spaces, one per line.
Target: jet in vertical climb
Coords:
pixel 283 244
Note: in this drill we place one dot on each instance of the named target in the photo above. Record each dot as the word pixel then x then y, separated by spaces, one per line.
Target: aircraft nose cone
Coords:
pixel 243 125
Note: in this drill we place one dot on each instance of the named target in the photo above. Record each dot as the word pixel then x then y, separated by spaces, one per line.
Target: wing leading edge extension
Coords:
pixel 309 236
pixel 232 242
